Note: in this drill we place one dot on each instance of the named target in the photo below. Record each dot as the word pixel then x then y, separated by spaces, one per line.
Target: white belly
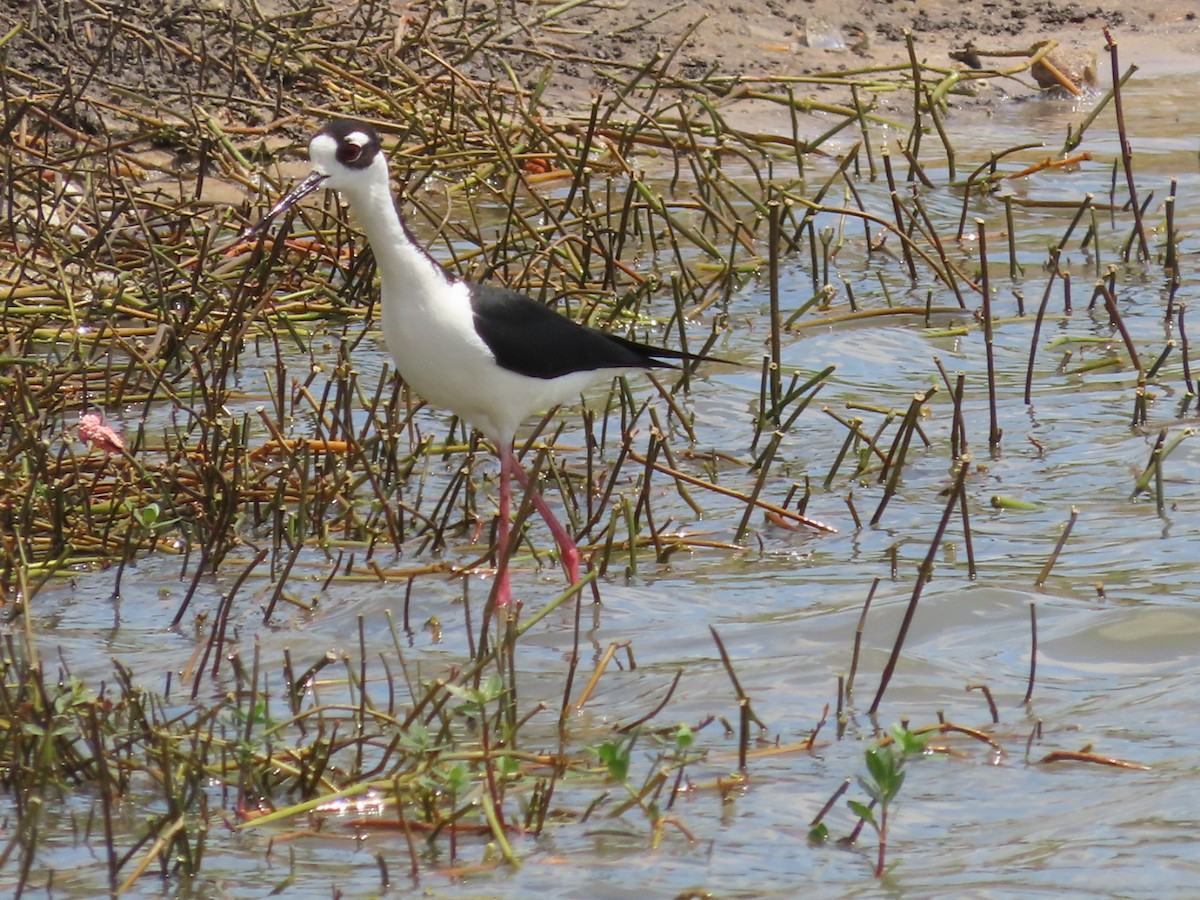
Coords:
pixel 442 358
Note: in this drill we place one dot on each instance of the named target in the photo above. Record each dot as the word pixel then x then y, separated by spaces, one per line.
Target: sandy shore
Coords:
pixel 148 65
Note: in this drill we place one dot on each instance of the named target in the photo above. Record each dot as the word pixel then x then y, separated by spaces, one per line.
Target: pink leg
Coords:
pixel 568 550
pixel 503 589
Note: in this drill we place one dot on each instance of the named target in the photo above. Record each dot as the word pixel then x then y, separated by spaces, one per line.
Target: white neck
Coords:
pixel 405 271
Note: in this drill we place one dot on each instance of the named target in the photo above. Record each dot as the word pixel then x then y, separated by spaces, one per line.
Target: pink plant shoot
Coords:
pixel 97 435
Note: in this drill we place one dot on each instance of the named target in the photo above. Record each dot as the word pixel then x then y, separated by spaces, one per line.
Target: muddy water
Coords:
pixel 1118 620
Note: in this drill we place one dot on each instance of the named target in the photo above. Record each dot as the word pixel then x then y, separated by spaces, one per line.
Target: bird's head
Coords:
pixel 346 155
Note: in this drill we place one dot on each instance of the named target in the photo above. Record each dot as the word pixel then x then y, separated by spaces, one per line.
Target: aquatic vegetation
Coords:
pixel 179 396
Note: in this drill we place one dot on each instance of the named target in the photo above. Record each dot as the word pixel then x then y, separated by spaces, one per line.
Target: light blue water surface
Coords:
pixel 1116 665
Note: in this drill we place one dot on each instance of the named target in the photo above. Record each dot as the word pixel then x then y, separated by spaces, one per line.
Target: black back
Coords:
pixel 531 339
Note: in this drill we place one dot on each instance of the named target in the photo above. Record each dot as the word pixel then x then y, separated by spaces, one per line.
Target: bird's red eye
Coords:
pixel 356 149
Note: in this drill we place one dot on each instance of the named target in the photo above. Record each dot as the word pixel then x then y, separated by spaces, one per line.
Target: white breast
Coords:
pixel 441 356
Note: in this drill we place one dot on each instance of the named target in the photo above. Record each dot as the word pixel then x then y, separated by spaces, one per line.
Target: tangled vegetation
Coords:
pixel 246 443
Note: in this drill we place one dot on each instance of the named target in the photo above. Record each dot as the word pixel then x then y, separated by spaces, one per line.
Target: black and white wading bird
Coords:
pixel 491 355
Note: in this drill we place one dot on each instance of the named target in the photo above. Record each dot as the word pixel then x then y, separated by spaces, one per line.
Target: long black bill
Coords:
pixel 290 199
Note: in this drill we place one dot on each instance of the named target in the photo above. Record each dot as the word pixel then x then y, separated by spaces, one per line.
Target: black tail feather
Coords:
pixel 655 356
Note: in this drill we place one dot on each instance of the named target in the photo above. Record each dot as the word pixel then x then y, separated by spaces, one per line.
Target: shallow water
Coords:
pixel 1115 668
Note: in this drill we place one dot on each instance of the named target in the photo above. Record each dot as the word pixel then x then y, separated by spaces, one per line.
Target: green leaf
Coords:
pixel 683 737
pixel 458 779
pixel 416 738
pixel 615 758
pixel 469 695
pixel 910 744
pixel 881 764
pixel 148 515
pixel 872 790
pixel 493 688
pixel 472 700
pixel 863 811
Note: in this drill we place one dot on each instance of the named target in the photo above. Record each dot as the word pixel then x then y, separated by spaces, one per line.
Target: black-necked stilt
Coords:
pixel 489 354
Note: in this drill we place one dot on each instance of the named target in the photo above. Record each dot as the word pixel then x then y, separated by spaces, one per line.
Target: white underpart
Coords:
pixel 427 319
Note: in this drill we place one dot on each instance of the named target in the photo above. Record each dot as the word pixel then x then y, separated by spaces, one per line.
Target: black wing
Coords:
pixel 531 339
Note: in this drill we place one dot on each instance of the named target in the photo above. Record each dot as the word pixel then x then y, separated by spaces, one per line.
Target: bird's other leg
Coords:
pixel 568 550
pixel 507 464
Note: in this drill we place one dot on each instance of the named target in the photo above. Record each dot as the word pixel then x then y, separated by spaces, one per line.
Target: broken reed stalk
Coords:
pixel 1058 547
pixel 1160 502
pixel 859 113
pixel 1153 471
pixel 762 463
pixel 932 235
pixel 1033 648
pixel 966 526
pixel 893 465
pixel 940 127
pixel 216 640
pixel 746 714
pixel 1014 268
pixel 833 798
pixel 924 574
pixel 1157 365
pixel 1075 135
pixel 898 212
pixel 853 510
pixel 1142 213
pixel 858 636
pixel 854 434
pixel 994 432
pixel 775 208
pixel 958 427
pixel 1126 149
pixel 1037 324
pixel 912 146
pixel 1171 261
pixel 1183 347
pixel 991 701
pixel 1140 405
pixel 1114 314
pixel 958 431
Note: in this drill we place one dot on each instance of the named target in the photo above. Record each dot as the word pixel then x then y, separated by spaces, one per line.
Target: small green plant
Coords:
pixel 885 777
pixel 475 700
pixel 151 519
pixel 615 756
pixel 675 754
